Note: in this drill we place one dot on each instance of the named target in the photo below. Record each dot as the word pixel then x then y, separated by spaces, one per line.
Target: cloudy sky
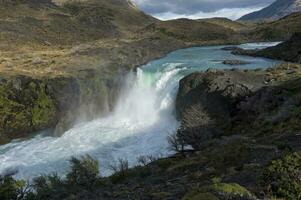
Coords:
pixel 170 9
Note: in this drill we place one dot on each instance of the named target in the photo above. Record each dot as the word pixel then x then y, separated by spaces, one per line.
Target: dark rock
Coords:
pixel 241 51
pixel 206 101
pixel 235 62
pixel 232 48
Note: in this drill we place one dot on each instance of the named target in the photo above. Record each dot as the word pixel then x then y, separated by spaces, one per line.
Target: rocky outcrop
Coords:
pixel 235 102
pixel 288 51
pixel 206 101
pixel 235 62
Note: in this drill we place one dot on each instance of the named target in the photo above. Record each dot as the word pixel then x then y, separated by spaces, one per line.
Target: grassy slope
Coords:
pixel 227 23
pixel 196 31
pixel 281 29
pixel 71 23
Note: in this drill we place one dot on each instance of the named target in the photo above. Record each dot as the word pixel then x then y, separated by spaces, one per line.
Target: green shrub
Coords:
pixel 11 189
pixel 230 189
pixel 282 178
pixel 234 154
pixel 224 190
pixel 195 195
pixel 84 172
pixel 82 178
pixel 49 187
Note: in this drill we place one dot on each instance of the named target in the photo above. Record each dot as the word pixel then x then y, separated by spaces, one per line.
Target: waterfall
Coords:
pixel 138 126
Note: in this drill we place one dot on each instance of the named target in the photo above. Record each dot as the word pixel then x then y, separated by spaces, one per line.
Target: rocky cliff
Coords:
pixel 249 103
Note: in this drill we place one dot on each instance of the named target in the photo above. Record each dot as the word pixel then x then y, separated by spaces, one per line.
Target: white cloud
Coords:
pixel 231 13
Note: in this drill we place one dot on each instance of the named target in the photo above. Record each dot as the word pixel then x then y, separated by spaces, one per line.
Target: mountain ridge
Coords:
pixel 276 10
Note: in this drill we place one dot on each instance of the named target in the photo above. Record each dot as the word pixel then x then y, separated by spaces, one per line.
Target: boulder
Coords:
pixel 231 48
pixel 235 62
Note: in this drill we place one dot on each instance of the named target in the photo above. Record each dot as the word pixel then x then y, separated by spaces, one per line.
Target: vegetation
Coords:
pixel 279 30
pixel 83 178
pixel 24 103
pixel 281 178
pixel 11 189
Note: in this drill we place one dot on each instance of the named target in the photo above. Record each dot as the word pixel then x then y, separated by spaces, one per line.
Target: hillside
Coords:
pixel 289 50
pixel 31 22
pixel 277 10
pixel 279 30
pixel 225 22
pixel 196 31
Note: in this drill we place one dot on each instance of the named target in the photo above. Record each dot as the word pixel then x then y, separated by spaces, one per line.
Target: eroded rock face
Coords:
pixel 206 101
pixel 234 102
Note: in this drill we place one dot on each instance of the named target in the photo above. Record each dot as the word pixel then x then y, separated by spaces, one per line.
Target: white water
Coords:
pixel 139 125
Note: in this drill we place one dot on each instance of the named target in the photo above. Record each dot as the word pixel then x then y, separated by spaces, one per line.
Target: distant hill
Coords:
pixel 225 22
pixel 207 30
pixel 277 10
pixel 279 30
pixel 67 22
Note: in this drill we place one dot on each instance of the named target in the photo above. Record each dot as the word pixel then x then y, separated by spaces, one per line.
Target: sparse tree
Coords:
pixel 176 144
pixel 121 167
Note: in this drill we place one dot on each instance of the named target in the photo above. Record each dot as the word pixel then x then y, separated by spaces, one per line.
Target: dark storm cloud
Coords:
pixel 190 7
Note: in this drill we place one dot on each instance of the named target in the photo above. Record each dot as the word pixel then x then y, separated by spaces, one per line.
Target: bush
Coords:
pixel 235 153
pixel 282 178
pixel 84 172
pixel 11 189
pixel 120 169
pixel 219 191
pixel 49 187
pixel 82 178
pixel 196 137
